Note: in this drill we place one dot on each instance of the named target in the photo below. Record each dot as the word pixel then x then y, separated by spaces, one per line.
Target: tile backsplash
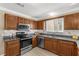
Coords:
pixel 66 32
pixel 71 32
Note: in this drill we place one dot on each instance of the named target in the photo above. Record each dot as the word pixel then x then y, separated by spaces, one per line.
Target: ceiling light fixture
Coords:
pixel 73 3
pixel 52 14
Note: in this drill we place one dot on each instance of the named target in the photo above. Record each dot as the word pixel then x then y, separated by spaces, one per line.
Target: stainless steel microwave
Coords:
pixel 23 27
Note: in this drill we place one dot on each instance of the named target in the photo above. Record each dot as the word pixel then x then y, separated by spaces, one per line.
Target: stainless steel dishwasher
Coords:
pixel 41 41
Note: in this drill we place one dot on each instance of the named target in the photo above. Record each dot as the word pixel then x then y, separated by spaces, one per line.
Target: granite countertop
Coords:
pixel 62 38
pixel 9 38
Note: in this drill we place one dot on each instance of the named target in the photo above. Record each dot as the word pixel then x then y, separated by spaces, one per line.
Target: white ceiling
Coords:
pixel 41 10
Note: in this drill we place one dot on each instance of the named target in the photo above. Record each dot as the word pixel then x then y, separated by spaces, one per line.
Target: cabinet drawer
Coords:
pixel 12 42
pixel 12 45
pixel 66 42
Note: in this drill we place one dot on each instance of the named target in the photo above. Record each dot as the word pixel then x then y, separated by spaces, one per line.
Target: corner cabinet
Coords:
pixel 67 48
pixel 61 47
pixel 10 21
pixel 40 25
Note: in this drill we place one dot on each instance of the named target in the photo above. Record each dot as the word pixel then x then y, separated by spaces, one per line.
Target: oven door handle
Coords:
pixel 26 38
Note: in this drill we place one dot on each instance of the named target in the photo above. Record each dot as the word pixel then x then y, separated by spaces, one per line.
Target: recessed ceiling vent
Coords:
pixel 20 4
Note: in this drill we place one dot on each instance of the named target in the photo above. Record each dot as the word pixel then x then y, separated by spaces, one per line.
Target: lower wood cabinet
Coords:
pixel 34 41
pixel 12 48
pixel 48 44
pixel 61 47
pixel 67 48
pixel 51 45
pixel 54 43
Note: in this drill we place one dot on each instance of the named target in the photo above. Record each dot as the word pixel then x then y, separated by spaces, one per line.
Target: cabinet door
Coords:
pixel 34 41
pixel 48 44
pixel 17 50
pixel 67 48
pixel 40 24
pixel 9 51
pixel 51 44
pixel 68 22
pixel 33 24
pixel 10 21
pixel 21 20
pixel 54 45
pixel 12 48
pixel 77 20
pixel 27 21
pixel 71 22
pixel 74 21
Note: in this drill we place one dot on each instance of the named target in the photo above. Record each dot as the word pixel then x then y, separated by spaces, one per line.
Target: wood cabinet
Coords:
pixel 51 44
pixel 21 20
pixel 10 21
pixel 12 48
pixel 77 20
pixel 34 41
pixel 40 24
pixel 48 44
pixel 54 45
pixel 71 22
pixel 61 47
pixel 33 24
pixel 26 21
pixel 67 48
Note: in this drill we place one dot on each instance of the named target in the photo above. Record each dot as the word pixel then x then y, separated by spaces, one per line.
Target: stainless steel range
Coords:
pixel 25 41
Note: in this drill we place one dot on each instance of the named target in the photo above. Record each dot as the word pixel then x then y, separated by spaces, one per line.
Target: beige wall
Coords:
pixel 1 32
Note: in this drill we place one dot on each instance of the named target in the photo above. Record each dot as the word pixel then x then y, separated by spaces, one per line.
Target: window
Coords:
pixel 50 25
pixel 55 25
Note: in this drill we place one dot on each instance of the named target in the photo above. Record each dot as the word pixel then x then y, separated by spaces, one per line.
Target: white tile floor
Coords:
pixel 39 52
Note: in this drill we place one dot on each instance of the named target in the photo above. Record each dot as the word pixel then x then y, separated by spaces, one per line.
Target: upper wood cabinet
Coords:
pixel 21 20
pixel 40 24
pixel 71 22
pixel 77 20
pixel 26 21
pixel 33 24
pixel 10 21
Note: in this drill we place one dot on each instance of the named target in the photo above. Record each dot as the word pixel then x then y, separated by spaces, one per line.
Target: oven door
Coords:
pixel 25 43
